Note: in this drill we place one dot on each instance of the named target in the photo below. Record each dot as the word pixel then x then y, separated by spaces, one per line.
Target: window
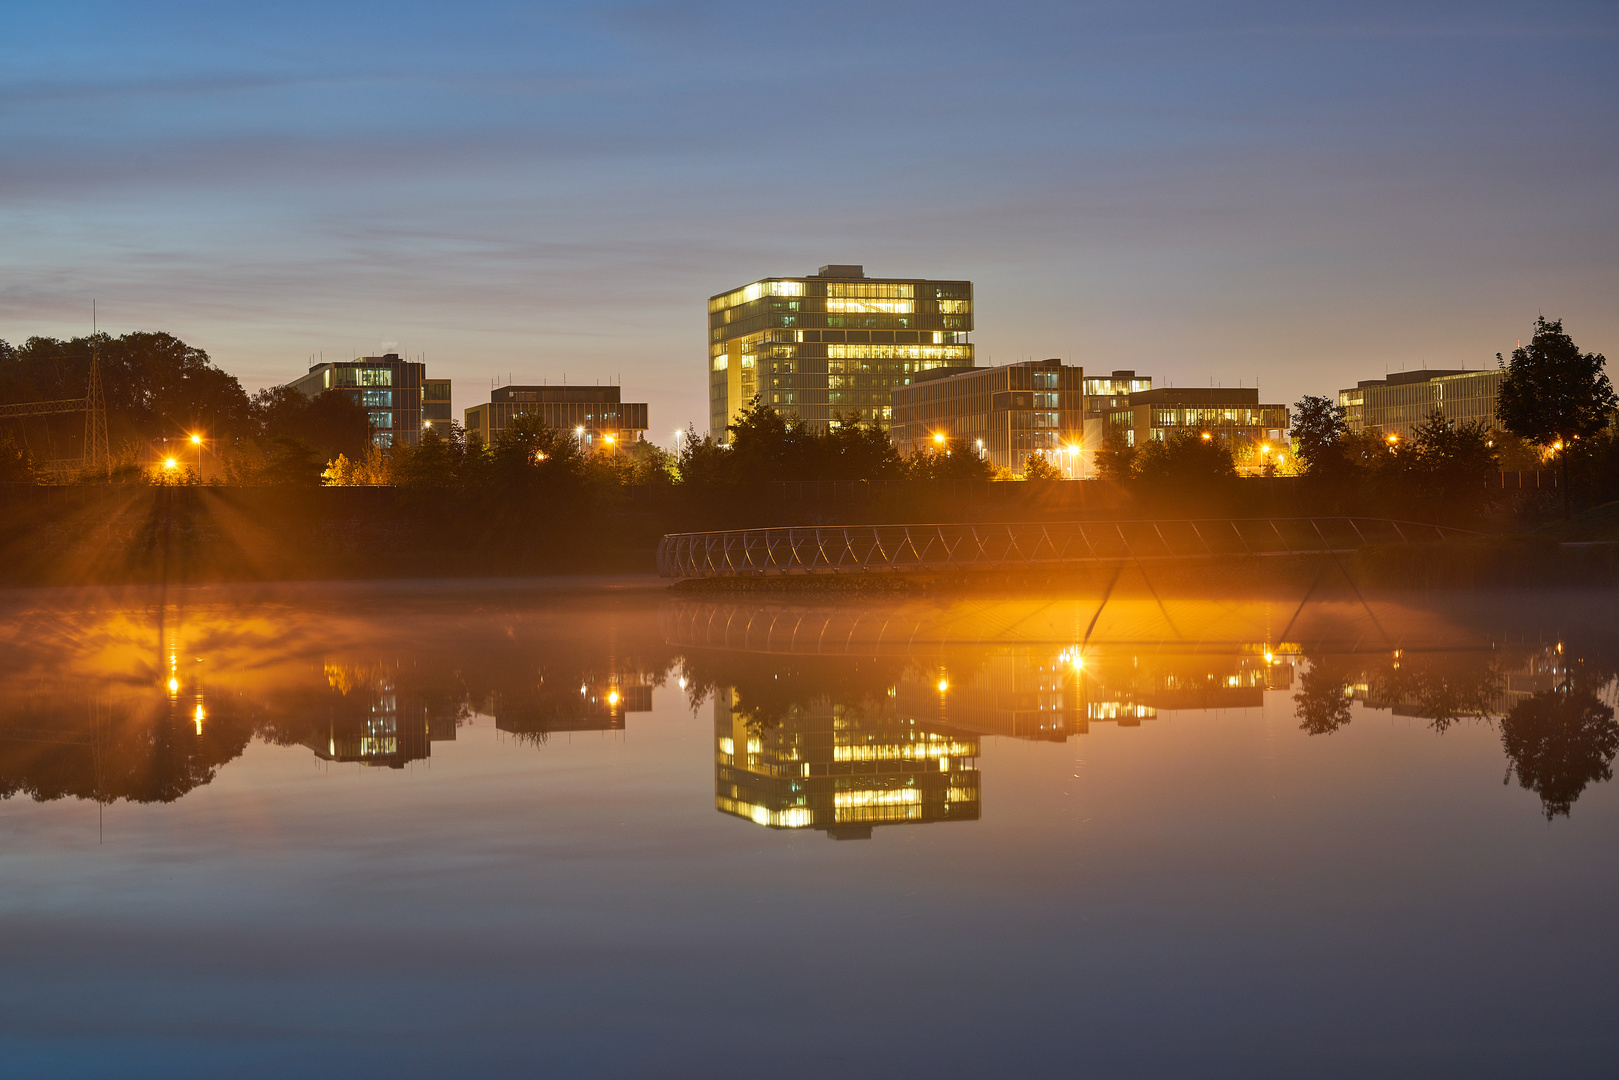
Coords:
pixel 384 398
pixel 374 377
pixel 382 420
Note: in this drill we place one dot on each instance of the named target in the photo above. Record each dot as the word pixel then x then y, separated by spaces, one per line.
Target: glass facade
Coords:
pixel 394 392
pixel 831 344
pixel 1221 413
pixel 1007 413
pixel 841 768
pixel 1397 404
pixel 596 409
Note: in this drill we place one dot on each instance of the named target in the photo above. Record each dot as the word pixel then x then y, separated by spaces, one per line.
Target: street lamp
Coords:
pixel 580 432
pixel 938 438
pixel 612 442
pixel 196 440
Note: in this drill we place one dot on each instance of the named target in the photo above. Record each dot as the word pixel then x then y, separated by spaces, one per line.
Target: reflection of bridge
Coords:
pixel 853 549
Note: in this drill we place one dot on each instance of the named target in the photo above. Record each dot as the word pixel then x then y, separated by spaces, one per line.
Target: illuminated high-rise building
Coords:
pixel 833 344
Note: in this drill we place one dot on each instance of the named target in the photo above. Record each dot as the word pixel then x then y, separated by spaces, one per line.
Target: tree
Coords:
pixel 332 422
pixel 957 459
pixel 1116 459
pixel 1036 467
pixel 16 463
pixel 1442 469
pixel 1186 466
pixel 1318 426
pixel 1554 394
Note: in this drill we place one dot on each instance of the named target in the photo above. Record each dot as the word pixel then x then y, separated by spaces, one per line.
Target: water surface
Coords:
pixel 599 829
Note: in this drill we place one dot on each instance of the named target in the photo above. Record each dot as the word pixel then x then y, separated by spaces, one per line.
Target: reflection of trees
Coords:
pixel 1325 695
pixel 1558 741
pixel 769 688
pixel 141 751
pixel 1440 687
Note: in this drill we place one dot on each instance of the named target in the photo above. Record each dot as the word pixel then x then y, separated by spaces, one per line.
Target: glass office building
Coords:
pixel 831 344
pixel 595 412
pixel 1007 413
pixel 1396 404
pixel 1234 414
pixel 396 394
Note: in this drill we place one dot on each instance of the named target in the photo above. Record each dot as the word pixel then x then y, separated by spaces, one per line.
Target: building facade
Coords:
pixel 1235 415
pixel 1396 404
pixel 1008 413
pixel 1104 394
pixel 839 768
pixel 595 413
pixel 391 390
pixel 832 344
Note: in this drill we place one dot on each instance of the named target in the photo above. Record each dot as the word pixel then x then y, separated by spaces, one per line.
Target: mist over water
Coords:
pixel 595 827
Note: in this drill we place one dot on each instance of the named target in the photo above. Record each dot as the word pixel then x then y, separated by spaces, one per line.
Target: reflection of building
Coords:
pixel 1029 692
pixel 1222 413
pixel 1007 413
pixel 596 409
pixel 391 391
pixel 383 727
pixel 835 342
pixel 841 768
pixel 1396 404
pixel 593 704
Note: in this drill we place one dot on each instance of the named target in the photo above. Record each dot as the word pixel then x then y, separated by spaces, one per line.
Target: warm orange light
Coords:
pixel 427 423
pixel 169 463
pixel 939 438
pixel 612 697
pixel 196 439
pixel 609 440
pixel 1207 436
pixel 174 686
pixel 1394 438
pixel 539 455
pixel 944 684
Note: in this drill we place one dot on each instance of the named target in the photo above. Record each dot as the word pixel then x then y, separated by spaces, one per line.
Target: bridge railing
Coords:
pixel 852 549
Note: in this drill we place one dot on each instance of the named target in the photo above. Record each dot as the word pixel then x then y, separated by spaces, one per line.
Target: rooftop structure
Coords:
pixel 831 344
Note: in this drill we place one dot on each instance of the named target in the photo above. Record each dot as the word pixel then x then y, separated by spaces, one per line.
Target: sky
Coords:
pixel 1301 193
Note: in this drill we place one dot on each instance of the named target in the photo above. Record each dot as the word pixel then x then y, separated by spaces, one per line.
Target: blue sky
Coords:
pixel 1303 193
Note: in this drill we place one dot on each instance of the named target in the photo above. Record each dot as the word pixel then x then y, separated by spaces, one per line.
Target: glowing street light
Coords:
pixel 170 464
pixel 1207 436
pixel 1393 439
pixel 938 438
pixel 580 433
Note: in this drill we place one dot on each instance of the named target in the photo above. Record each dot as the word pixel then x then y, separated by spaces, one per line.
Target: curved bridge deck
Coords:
pixel 865 549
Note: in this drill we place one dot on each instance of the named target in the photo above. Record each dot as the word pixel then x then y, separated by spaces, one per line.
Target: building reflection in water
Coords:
pixel 146 706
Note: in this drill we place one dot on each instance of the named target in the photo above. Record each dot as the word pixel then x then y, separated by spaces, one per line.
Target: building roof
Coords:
pixel 1197 395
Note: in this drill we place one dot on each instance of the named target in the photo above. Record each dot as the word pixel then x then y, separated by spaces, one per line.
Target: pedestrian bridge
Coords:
pixel 870 549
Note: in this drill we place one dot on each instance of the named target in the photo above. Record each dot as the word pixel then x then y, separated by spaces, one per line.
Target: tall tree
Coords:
pixel 1318 426
pixel 1554 394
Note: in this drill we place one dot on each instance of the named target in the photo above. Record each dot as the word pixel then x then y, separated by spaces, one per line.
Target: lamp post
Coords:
pixel 580 433
pixel 197 441
pixel 612 442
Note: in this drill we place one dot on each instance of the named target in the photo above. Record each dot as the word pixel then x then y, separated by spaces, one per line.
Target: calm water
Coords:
pixel 453 829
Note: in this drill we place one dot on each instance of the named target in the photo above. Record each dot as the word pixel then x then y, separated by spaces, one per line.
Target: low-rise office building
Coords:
pixel 1103 394
pixel 1233 414
pixel 1008 413
pixel 595 412
pixel 1396 404
pixel 393 392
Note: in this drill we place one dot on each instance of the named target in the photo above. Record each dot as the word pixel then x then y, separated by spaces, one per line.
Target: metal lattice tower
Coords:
pixel 97 455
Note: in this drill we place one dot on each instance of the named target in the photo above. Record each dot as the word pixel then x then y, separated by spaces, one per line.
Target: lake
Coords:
pixel 597 828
